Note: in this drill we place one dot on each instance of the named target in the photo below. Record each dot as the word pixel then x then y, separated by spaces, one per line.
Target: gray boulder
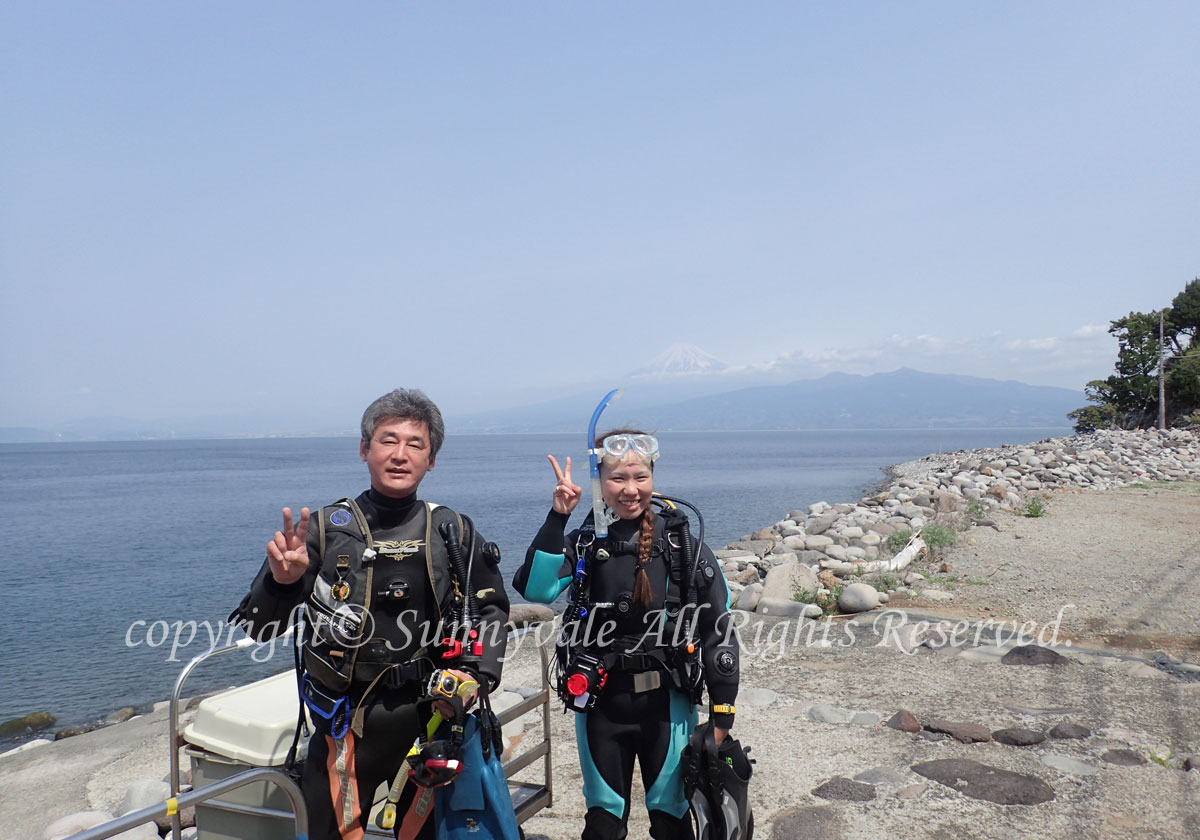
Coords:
pixel 785 580
pixel 780 607
pixel 749 597
pixel 858 597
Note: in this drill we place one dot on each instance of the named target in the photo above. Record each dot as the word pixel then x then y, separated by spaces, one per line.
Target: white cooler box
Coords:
pixel 245 727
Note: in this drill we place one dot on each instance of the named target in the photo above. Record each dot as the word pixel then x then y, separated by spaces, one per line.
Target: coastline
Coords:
pixel 1128 707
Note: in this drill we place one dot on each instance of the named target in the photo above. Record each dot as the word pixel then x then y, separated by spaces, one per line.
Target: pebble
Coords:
pixel 967 733
pixel 841 788
pixel 756 696
pixel 1141 670
pixel 749 597
pixel 865 719
pixel 778 606
pixel 1068 730
pixel 906 638
pixel 825 713
pixel 926 735
pixel 1123 758
pixel 991 784
pixel 936 595
pixel 883 776
pixel 1017 737
pixel 1069 765
pixel 911 791
pixel 1033 655
pixel 905 721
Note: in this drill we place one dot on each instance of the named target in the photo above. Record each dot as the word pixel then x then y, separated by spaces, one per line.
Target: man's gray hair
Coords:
pixel 405 404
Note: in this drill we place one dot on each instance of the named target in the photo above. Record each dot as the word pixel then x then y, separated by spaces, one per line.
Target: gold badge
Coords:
pixel 340 590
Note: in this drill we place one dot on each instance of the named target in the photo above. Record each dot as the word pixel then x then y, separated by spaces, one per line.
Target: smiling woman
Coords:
pixel 646 629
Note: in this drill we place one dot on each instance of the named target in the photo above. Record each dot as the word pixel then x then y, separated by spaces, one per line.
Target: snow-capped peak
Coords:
pixel 681 359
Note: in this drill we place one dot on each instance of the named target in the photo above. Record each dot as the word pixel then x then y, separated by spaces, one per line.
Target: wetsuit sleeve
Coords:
pixel 549 562
pixel 266 611
pixel 718 637
pixel 491 602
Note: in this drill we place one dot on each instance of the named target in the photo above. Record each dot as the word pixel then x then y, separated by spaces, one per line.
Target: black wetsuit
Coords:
pixel 651 724
pixel 341 774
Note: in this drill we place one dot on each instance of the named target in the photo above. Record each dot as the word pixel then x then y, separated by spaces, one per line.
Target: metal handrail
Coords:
pixel 542 698
pixel 175 742
pixel 172 806
pixel 514 765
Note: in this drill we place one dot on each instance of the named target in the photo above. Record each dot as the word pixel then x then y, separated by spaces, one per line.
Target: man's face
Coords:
pixel 398 456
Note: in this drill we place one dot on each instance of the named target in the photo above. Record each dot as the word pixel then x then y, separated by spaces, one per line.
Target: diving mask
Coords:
pixel 618 446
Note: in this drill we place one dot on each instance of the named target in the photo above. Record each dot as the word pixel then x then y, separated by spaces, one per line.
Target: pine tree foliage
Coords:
pixel 1128 399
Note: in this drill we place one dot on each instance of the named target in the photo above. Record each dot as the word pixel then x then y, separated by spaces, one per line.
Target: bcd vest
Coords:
pixel 376 603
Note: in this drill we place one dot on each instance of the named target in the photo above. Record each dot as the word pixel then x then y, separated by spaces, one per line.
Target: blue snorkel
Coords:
pixel 600 519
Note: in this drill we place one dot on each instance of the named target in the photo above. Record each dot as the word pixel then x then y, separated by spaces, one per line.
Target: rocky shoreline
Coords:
pixel 829 557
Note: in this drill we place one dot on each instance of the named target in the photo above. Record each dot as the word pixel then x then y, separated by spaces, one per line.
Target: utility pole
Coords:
pixel 1162 393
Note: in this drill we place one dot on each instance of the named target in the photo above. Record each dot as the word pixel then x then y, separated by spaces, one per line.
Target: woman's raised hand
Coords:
pixel 566 494
pixel 287 552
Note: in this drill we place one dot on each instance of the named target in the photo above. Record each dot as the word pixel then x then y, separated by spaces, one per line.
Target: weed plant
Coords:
pixel 897 540
pixel 1036 507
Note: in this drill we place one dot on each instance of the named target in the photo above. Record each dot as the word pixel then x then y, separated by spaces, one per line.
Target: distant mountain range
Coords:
pixel 683 388
pixel 901 399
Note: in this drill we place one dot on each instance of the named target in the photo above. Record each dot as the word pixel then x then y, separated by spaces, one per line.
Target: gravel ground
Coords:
pixel 1126 559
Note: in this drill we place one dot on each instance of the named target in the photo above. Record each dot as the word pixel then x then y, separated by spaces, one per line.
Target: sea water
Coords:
pixel 114 551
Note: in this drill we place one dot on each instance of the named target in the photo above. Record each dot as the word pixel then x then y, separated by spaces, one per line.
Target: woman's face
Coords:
pixel 627 486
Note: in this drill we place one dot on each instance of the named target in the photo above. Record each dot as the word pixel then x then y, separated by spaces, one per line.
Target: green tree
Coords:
pixel 1185 316
pixel 1133 389
pixel 1128 399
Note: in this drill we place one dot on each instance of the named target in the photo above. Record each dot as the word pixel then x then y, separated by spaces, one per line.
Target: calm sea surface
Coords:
pixel 104 535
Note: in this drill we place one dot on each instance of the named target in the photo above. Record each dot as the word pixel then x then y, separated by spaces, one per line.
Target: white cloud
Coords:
pixel 1045 360
pixel 1039 344
pixel 1089 331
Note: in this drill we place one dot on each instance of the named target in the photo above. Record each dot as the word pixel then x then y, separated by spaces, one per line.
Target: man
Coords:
pixel 381 580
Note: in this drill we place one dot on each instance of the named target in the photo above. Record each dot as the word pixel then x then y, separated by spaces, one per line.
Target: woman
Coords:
pixel 647 624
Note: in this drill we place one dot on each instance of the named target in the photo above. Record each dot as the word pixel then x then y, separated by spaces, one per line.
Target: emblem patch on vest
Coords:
pixel 399 548
pixel 340 517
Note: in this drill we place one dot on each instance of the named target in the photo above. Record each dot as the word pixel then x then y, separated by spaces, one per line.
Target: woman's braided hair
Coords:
pixel 643 593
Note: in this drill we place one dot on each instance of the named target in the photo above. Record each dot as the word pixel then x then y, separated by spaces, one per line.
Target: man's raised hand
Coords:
pixel 287 552
pixel 566 494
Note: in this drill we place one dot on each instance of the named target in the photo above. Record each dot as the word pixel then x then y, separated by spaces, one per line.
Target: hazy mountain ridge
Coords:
pixel 900 399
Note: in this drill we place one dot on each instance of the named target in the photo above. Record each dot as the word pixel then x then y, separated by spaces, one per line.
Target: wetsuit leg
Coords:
pixel 654 727
pixel 340 777
pixel 606 738
pixel 662 772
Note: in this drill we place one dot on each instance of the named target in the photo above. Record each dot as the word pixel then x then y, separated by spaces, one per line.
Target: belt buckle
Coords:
pixel 646 681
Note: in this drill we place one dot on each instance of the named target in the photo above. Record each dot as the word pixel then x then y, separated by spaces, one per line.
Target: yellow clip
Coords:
pixel 387 817
pixel 724 709
pixel 172 807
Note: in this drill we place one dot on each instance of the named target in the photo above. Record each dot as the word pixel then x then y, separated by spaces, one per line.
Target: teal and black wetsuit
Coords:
pixel 411 588
pixel 652 724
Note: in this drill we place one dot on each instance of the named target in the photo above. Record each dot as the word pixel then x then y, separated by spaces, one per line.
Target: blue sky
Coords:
pixel 280 210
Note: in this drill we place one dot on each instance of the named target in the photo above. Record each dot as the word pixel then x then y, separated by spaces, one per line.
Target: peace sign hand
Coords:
pixel 566 494
pixel 287 552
